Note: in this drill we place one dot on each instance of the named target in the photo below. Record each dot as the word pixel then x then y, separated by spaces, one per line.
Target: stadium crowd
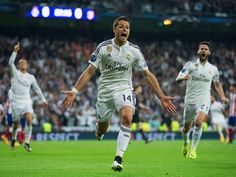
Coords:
pixel 137 7
pixel 55 61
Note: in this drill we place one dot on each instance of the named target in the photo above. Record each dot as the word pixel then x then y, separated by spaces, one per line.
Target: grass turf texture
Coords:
pixel 94 159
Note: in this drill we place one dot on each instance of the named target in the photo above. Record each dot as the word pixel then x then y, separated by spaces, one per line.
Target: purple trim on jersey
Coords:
pixel 104 43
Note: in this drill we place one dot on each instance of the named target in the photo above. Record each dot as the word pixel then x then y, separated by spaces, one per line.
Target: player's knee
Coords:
pixel 127 120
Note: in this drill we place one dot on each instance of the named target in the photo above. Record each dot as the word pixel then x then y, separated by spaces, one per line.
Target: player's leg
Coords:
pixel 101 128
pixel 21 134
pixel 197 133
pixel 105 110
pixel 28 131
pixel 188 117
pixel 231 129
pixel 123 138
pixel 140 130
pixel 220 131
pixel 15 125
pixel 185 134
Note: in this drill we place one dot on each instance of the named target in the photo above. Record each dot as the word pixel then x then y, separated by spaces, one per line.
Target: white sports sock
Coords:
pixel 220 130
pixel 28 132
pixel 185 136
pixel 122 140
pixel 196 136
pixel 14 133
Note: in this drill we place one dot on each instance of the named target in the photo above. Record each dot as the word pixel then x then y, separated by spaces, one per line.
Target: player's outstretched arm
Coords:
pixel 220 92
pixel 13 57
pixel 165 100
pixel 82 81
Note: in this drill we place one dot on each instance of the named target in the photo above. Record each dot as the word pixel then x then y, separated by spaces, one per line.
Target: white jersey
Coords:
pixel 21 84
pixel 217 109
pixel 199 85
pixel 217 116
pixel 116 64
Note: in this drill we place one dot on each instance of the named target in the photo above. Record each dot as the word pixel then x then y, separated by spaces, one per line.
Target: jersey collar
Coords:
pixel 123 46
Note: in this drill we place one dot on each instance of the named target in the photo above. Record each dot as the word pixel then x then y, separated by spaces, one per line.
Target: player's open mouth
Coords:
pixel 123 35
pixel 203 54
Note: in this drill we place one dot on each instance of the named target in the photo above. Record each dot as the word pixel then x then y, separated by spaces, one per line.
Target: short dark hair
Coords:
pixel 116 21
pixel 205 43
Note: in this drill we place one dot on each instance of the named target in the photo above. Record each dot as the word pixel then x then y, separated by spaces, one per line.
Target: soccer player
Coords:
pixel 232 112
pixel 199 75
pixel 218 120
pixel 21 83
pixel 115 58
pixel 138 105
pixel 8 123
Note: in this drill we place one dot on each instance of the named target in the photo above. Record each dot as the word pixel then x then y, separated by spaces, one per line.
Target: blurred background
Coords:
pixel 57 37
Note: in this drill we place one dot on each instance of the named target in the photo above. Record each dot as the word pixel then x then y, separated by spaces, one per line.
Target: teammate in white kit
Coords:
pixel 218 120
pixel 199 75
pixel 21 83
pixel 115 58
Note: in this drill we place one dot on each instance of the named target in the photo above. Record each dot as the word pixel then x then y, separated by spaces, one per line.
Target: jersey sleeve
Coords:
pixel 95 58
pixel 216 76
pixel 140 62
pixel 12 65
pixel 184 72
pixel 37 89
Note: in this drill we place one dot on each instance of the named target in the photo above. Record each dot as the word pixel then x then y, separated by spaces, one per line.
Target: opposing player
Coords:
pixel 199 75
pixel 232 112
pixel 21 83
pixel 218 120
pixel 140 106
pixel 115 58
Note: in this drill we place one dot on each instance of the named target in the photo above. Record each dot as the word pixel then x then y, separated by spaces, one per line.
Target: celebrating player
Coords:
pixel 21 82
pixel 115 58
pixel 218 120
pixel 199 75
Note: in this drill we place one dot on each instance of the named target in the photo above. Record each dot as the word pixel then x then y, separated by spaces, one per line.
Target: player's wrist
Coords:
pixel 74 90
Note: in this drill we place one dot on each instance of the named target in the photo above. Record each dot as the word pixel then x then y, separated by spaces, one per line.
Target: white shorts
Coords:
pixel 219 120
pixel 19 109
pixel 190 111
pixel 106 109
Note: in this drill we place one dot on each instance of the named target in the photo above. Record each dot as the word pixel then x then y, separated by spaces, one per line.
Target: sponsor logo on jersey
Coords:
pixel 196 65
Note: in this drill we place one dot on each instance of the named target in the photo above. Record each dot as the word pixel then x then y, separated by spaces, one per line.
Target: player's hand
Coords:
pixel 70 96
pixel 224 100
pixel 17 47
pixel 166 102
pixel 45 105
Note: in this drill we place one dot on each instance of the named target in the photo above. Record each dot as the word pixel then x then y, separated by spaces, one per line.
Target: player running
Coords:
pixel 199 75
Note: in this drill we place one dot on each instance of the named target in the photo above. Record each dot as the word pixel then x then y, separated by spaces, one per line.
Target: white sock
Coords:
pixel 28 132
pixel 14 133
pixel 122 140
pixel 185 136
pixel 196 136
pixel 220 130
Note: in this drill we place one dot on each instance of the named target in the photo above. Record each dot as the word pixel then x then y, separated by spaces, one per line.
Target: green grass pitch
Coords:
pixel 93 159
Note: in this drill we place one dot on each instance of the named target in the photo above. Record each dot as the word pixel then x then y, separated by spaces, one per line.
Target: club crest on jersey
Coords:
pixel 128 57
pixel 109 49
pixel 196 65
